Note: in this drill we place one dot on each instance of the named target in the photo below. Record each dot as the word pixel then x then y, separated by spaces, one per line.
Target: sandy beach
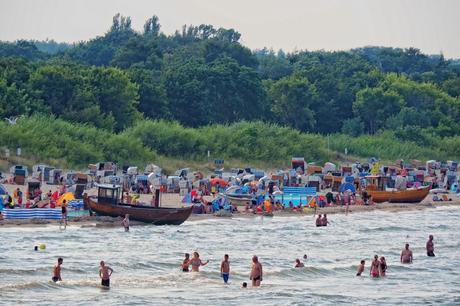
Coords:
pixel 175 200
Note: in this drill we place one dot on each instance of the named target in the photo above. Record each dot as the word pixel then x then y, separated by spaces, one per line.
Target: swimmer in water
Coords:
pixel 244 285
pixel 104 273
pixel 185 263
pixel 57 270
pixel 225 269
pixel 430 247
pixel 196 262
pixel 324 221
pixel 298 264
pixel 319 221
pixel 375 267
pixel 361 268
pixel 406 255
pixel 256 272
pixel 305 257
pixel 383 266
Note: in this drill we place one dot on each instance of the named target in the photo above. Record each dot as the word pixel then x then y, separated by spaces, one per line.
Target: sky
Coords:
pixel 432 26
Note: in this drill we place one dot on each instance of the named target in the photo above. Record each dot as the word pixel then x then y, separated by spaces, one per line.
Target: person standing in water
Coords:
pixel 57 270
pixel 298 264
pixel 430 246
pixel 319 221
pixel 104 273
pixel 360 268
pixel 256 272
pixel 375 267
pixel 383 266
pixel 186 263
pixel 406 255
pixel 324 221
pixel 196 262
pixel 125 223
pixel 225 269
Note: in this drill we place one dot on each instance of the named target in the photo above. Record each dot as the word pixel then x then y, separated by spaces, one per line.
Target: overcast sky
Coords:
pixel 433 26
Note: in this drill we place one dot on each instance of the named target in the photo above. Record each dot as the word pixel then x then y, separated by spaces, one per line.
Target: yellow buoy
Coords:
pixel 42 246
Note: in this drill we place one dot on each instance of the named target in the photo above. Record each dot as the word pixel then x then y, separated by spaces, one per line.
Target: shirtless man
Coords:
pixel 104 273
pixel 256 272
pixel 375 267
pixel 430 246
pixel 360 268
pixel 406 255
pixel 125 223
pixel 186 263
pixel 196 262
pixel 57 270
pixel 298 264
pixel 324 221
pixel 225 269
pixel 319 221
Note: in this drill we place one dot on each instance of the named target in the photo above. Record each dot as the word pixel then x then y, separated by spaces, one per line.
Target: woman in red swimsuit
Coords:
pixel 374 272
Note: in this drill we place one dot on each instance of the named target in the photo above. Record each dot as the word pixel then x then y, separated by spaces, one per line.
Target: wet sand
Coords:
pixel 175 200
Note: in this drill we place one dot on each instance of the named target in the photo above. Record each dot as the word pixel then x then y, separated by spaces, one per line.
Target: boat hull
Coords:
pixel 239 200
pixel 157 216
pixel 399 196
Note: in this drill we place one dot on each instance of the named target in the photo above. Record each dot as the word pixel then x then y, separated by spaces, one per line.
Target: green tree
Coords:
pixel 291 100
pixel 116 95
pixel 374 106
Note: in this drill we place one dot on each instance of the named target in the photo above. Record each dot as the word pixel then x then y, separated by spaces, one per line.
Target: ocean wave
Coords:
pixel 10 271
pixel 391 228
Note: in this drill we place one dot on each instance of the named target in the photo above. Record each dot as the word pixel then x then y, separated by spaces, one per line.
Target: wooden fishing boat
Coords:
pixel 107 203
pixel 400 196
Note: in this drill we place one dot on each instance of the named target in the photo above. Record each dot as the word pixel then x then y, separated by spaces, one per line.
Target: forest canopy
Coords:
pixel 202 76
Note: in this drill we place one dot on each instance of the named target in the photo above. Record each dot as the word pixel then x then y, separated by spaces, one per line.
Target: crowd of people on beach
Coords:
pixel 18 200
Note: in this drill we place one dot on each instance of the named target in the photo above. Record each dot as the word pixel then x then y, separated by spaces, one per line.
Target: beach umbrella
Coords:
pixel 347 186
pixel 68 196
pixel 218 181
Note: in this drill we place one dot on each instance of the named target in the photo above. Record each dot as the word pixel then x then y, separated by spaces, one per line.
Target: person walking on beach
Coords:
pixel 319 221
pixel 196 262
pixel 383 266
pixel 104 273
pixel 64 213
pixel 430 246
pixel 360 268
pixel 225 269
pixel 125 223
pixel 406 255
pixel 375 267
pixel 186 263
pixel 57 270
pixel 256 272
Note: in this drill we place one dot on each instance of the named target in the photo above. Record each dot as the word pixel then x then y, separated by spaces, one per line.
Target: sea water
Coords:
pixel 147 261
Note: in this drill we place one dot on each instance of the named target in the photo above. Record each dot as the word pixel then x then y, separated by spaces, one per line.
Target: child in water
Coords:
pixel 360 268
pixel 225 269
pixel 185 263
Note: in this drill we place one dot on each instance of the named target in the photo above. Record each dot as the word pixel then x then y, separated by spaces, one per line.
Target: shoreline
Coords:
pixel 110 222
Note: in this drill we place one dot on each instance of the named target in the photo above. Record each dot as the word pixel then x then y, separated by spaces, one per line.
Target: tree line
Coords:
pixel 202 75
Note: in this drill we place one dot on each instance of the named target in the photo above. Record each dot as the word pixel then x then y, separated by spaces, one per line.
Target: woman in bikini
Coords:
pixel 196 262
pixel 375 267
pixel 383 266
